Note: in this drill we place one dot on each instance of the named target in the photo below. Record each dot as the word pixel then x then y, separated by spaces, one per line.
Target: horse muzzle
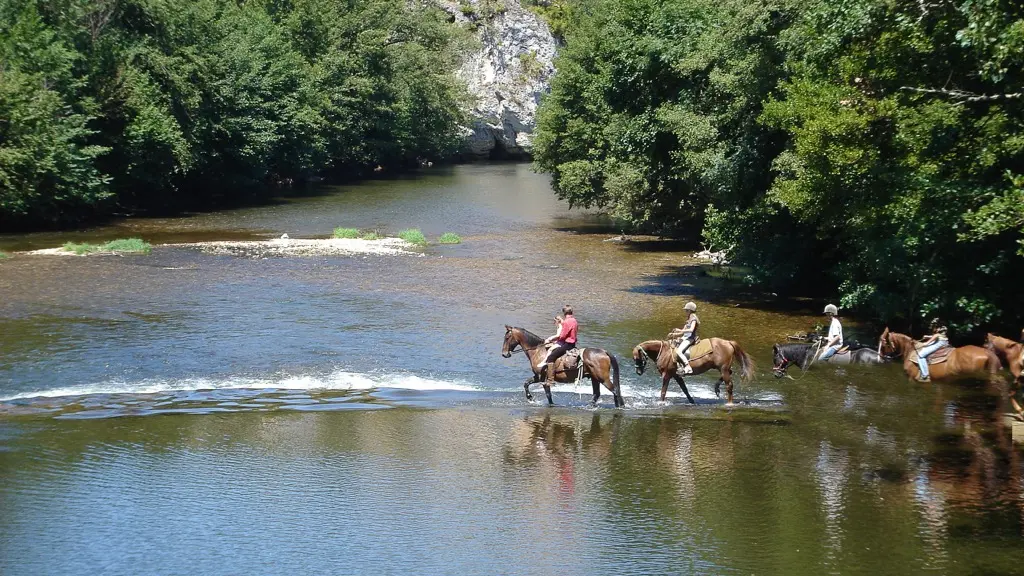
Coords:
pixel 506 354
pixel 780 370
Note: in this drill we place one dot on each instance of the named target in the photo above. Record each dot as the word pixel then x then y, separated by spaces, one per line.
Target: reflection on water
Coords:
pixel 353 415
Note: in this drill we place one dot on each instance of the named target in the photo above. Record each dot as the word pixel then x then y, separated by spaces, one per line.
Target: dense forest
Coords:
pixel 867 148
pixel 152 105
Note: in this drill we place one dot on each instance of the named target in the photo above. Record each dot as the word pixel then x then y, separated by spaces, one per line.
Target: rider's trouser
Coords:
pixel 828 353
pixel 557 352
pixel 922 357
pixel 684 345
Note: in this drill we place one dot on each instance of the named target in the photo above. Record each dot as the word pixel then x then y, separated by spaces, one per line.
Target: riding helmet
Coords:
pixel 831 309
pixel 690 306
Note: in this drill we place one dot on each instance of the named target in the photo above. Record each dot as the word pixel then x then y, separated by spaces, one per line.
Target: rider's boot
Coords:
pixel 686 363
pixel 550 381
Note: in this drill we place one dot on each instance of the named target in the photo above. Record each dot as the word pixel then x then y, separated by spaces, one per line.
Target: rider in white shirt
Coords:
pixel 835 333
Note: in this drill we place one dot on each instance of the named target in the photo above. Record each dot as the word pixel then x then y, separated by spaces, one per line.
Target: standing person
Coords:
pixel 834 340
pixel 932 342
pixel 565 340
pixel 688 333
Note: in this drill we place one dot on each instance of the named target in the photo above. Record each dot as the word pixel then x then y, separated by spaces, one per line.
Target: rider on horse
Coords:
pixel 835 333
pixel 565 340
pixel 688 334
pixel 937 339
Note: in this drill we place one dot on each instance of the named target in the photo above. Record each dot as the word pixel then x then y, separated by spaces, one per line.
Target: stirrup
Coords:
pixel 687 369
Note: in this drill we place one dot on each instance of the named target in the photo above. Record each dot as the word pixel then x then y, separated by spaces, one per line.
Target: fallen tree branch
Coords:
pixel 965 96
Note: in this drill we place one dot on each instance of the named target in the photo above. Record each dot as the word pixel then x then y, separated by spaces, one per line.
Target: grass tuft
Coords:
pixel 450 238
pixel 413 236
pixel 346 233
pixel 119 246
pixel 371 235
pixel 4 255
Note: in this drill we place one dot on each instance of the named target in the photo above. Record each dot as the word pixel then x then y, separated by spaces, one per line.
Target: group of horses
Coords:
pixel 602 368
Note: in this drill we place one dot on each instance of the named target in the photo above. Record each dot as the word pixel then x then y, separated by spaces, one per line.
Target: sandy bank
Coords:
pixel 304 247
pixel 278 247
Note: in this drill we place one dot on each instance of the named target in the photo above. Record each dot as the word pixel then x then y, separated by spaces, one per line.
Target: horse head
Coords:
pixel 640 359
pixel 886 349
pixel 779 361
pixel 510 343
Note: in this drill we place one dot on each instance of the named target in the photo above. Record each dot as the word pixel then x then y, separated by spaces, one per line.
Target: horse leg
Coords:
pixel 1015 384
pixel 617 395
pixel 727 377
pixel 547 392
pixel 682 385
pixel 526 385
pixel 664 385
pixel 597 390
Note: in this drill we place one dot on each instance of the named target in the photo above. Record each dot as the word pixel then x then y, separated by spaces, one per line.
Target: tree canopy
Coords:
pixel 866 148
pixel 162 104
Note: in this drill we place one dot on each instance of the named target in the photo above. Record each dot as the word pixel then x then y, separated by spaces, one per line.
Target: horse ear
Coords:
pixel 508 328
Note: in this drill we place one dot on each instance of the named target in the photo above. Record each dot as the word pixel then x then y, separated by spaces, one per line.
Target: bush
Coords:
pixel 413 236
pixel 450 238
pixel 119 246
pixel 346 233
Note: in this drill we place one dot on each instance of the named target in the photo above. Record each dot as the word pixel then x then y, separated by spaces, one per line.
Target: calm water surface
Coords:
pixel 185 413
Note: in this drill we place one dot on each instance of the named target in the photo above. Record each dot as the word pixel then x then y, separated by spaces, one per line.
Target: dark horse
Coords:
pixel 1011 356
pixel 720 358
pixel 803 355
pixel 599 365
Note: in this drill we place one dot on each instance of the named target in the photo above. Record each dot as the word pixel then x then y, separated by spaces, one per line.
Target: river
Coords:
pixel 184 412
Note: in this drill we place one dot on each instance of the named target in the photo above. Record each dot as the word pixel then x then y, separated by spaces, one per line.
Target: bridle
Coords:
pixel 888 342
pixel 641 360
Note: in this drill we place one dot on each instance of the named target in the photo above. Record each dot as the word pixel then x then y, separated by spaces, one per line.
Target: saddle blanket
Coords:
pixel 937 357
pixel 699 350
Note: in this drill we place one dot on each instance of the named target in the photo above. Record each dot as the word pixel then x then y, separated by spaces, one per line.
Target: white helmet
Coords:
pixel 690 306
pixel 831 309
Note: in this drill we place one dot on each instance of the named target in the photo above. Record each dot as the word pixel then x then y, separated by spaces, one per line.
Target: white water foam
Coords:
pixel 339 380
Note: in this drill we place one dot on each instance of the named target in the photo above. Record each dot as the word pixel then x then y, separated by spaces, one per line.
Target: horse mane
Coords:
pixel 530 338
pixel 901 342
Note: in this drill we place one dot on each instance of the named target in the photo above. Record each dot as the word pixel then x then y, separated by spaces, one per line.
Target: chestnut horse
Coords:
pixel 1011 356
pixel 599 365
pixel 720 358
pixel 963 362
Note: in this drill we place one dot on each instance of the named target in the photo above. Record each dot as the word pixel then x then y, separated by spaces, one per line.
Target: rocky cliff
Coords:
pixel 507 74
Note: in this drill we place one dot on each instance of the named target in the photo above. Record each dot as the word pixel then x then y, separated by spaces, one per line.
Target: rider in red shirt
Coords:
pixel 566 340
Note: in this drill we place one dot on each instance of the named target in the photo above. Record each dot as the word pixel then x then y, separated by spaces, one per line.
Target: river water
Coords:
pixel 183 412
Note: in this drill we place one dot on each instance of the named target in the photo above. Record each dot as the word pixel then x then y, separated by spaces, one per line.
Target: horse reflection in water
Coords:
pixel 973 466
pixel 556 443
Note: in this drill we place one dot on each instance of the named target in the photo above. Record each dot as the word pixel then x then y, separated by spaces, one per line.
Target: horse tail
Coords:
pixel 746 362
pixel 615 373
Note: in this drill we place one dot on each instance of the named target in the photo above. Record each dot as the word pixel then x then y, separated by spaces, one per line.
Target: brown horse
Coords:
pixel 720 358
pixel 963 362
pixel 1011 356
pixel 599 365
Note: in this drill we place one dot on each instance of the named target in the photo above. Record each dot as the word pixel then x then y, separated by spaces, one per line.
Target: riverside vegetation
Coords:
pixel 870 148
pixel 156 105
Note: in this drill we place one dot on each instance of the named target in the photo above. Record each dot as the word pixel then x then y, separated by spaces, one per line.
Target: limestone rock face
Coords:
pixel 507 75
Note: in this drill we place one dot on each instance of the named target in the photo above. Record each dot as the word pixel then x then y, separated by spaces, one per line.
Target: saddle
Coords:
pixel 570 360
pixel 937 357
